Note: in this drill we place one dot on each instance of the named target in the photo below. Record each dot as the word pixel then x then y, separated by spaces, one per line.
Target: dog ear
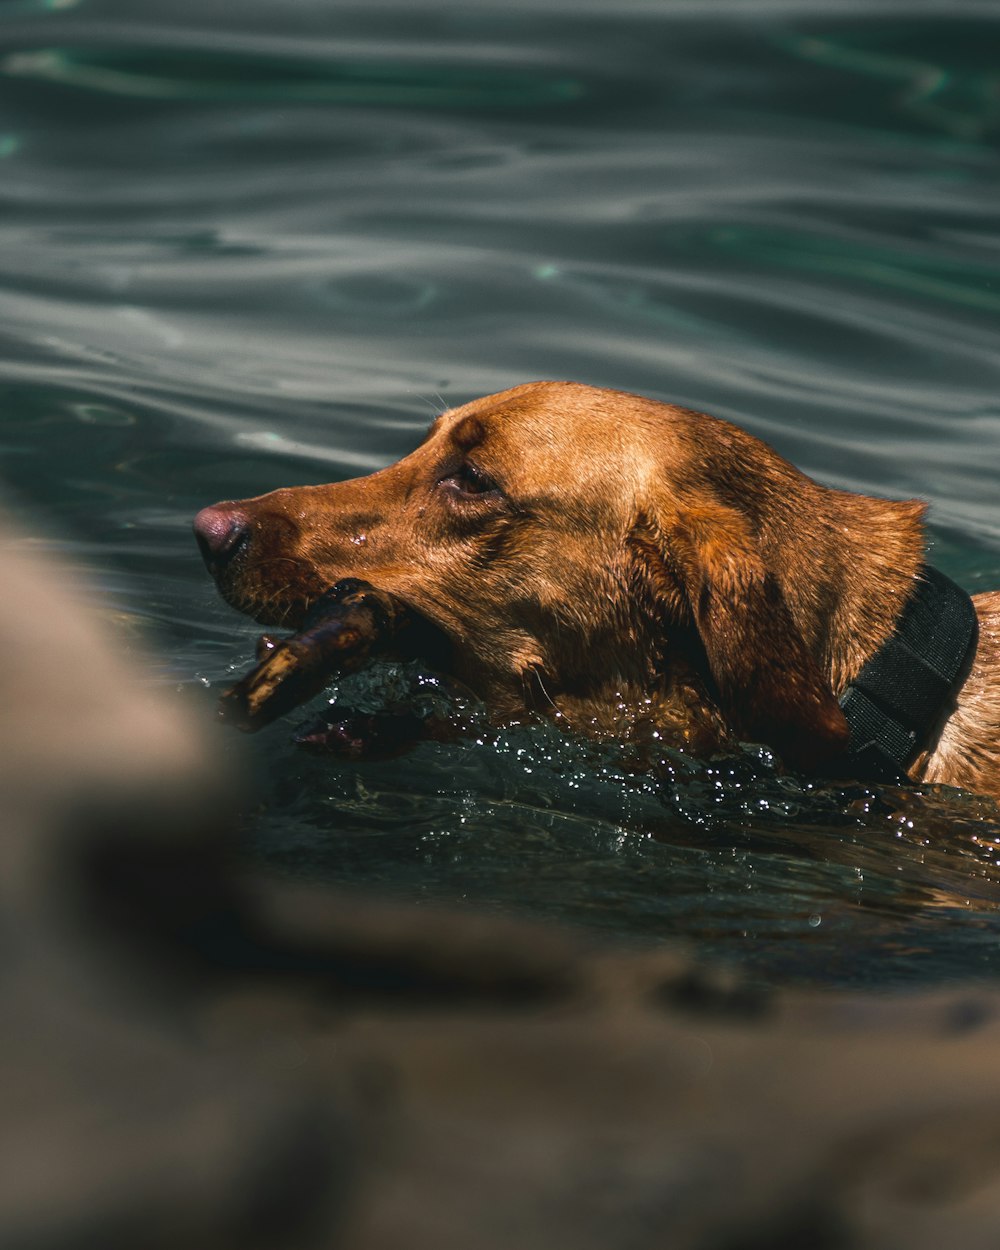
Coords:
pixel 769 686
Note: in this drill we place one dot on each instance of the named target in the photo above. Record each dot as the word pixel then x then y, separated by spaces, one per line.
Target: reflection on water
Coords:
pixel 916 272
pixel 238 255
pixel 192 75
pixel 930 86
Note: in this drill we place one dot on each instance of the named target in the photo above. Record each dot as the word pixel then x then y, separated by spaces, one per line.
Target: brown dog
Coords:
pixel 627 567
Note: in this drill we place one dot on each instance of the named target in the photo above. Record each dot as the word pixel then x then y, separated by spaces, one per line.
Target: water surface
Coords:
pixel 245 246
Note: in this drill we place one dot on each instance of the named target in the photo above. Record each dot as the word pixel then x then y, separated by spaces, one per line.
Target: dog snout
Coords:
pixel 221 533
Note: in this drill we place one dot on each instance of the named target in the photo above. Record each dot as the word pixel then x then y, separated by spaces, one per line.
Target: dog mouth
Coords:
pixel 344 630
pixel 279 597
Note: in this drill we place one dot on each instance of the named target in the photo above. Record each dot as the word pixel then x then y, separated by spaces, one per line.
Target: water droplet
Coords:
pixel 359 540
pixel 815 921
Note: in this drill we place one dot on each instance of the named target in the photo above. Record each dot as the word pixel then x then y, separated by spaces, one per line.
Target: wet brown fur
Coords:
pixel 643 568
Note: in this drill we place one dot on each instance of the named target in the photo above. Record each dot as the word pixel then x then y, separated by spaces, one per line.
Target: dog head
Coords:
pixel 605 556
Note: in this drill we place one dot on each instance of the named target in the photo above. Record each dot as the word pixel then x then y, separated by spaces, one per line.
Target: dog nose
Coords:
pixel 221 532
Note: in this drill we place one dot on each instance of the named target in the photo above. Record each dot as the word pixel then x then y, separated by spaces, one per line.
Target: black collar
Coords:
pixel 897 700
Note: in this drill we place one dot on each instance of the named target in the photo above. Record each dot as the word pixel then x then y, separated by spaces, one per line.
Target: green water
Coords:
pixel 248 245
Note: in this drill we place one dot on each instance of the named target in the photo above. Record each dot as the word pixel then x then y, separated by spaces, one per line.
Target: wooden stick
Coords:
pixel 345 628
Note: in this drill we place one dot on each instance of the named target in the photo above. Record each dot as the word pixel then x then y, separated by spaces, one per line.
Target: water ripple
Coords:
pixel 193 76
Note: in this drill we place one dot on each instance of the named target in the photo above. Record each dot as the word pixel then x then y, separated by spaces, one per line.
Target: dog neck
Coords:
pixel 908 687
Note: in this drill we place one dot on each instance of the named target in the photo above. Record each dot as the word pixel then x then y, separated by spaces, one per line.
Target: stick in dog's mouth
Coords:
pixel 343 631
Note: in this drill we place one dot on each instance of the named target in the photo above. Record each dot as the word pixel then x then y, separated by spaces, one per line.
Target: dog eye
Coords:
pixel 467 480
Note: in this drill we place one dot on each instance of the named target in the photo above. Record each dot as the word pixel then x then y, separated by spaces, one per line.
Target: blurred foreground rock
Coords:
pixel 194 1058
